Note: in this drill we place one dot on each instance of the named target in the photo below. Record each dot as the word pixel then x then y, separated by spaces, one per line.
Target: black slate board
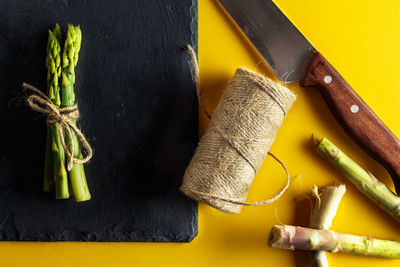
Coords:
pixel 138 110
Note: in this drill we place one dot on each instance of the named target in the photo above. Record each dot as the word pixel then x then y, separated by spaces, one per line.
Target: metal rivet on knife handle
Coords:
pixel 354 108
pixel 328 79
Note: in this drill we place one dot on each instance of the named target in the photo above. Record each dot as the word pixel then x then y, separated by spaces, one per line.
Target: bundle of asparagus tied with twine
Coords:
pixel 63 157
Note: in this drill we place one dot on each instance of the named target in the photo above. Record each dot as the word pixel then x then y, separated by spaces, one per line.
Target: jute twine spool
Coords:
pixel 242 129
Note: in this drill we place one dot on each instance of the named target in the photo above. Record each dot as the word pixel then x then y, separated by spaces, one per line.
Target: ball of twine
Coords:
pixel 242 129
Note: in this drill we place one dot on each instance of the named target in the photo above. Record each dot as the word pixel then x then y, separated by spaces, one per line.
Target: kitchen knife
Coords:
pixel 292 58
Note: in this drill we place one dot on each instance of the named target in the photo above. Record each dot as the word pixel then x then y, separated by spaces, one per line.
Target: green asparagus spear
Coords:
pixel 69 61
pixel 365 181
pixel 55 173
pixel 296 237
pixel 53 49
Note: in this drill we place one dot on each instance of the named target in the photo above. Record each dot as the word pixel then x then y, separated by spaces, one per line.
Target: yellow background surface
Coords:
pixel 361 38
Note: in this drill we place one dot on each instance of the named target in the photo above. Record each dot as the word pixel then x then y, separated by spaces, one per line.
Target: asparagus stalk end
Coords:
pixel 327 200
pixel 295 237
pixel 365 181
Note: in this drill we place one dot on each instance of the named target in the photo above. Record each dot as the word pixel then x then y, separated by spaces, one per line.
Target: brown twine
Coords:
pixel 196 79
pixel 241 131
pixel 63 118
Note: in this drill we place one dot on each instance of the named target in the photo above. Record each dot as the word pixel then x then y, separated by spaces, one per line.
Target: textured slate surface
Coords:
pixel 139 113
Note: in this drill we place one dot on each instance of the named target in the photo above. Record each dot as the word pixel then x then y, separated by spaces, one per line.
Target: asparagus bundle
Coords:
pixel 56 176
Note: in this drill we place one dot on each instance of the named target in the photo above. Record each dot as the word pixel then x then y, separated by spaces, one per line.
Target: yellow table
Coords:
pixel 361 38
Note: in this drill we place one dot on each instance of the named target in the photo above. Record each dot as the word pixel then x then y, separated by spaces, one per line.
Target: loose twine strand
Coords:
pixel 63 118
pixel 201 195
pixel 196 79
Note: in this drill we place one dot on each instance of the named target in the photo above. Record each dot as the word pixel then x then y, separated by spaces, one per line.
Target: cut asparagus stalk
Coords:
pixel 365 181
pixel 55 176
pixel 295 237
pixel 69 61
pixel 327 201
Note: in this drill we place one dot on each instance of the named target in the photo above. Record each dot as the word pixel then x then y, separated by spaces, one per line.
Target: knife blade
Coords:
pixel 292 58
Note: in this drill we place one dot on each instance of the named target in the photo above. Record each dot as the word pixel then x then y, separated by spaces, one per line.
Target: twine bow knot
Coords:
pixel 64 118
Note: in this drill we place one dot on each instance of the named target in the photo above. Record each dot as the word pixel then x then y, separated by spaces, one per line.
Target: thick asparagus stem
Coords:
pixel 69 61
pixel 294 237
pixel 60 173
pixel 55 173
pixel 365 181
pixel 324 210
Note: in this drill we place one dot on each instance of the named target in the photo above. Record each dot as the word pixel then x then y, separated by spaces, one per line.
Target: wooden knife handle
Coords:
pixel 353 114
